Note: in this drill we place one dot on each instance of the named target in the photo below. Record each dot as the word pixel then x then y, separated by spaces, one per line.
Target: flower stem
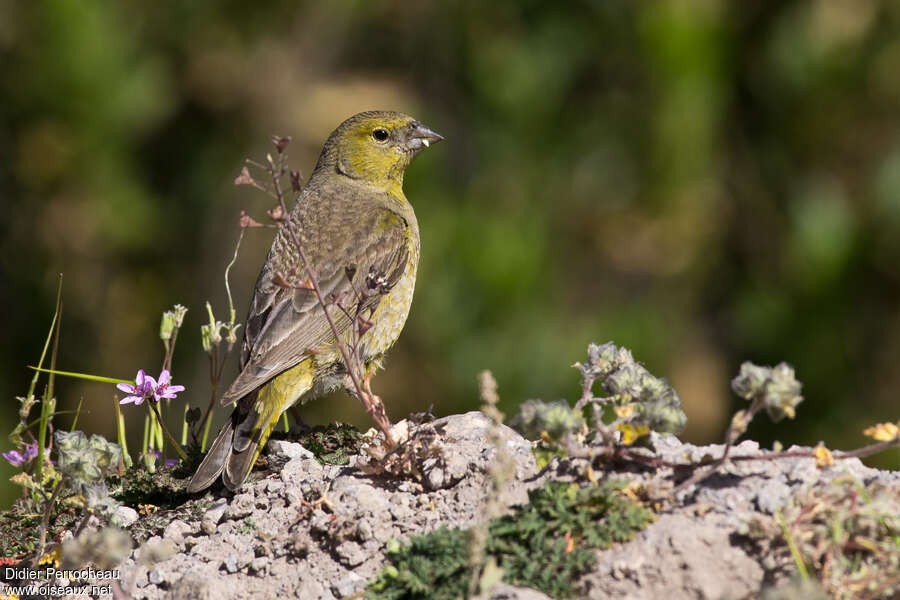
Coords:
pixel 165 430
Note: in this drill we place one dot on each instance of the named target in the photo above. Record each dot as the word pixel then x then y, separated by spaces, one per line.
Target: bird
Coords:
pixel 360 238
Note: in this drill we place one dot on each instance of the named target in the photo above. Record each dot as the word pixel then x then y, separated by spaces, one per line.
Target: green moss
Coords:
pixel 332 444
pixel 549 542
pixel 154 522
pixel 432 567
pixel 158 497
pixel 19 531
pixel 545 545
pixel 247 527
pixel 139 486
pixel 20 526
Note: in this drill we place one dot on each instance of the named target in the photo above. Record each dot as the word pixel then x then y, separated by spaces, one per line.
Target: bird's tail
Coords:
pixel 250 435
pixel 214 461
pixel 236 448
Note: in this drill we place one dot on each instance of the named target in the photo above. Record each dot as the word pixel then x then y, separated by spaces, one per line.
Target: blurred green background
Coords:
pixel 703 182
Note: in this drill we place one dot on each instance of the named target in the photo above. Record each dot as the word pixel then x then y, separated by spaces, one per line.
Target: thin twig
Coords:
pixel 636 455
pixel 45 523
pixel 237 247
pixel 362 388
pixel 586 394
pixel 170 350
pixel 82 524
pixel 868 450
pixel 736 428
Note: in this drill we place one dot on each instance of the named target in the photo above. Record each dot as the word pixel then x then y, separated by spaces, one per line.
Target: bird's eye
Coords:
pixel 380 135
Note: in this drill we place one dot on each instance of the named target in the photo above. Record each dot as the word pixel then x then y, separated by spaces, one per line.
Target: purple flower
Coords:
pixel 144 388
pixel 169 462
pixel 147 388
pixel 164 389
pixel 17 459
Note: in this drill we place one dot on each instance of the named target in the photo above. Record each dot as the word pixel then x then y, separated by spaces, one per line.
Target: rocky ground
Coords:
pixel 270 541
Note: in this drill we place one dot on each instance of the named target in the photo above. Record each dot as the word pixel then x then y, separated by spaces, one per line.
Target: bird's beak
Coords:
pixel 421 137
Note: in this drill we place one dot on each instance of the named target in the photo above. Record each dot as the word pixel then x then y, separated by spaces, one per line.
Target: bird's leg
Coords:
pixel 375 407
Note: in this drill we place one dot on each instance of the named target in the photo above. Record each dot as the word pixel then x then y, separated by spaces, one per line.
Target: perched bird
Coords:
pixel 360 237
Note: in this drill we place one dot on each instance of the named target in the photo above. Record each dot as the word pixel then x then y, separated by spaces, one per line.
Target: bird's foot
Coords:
pixel 375 408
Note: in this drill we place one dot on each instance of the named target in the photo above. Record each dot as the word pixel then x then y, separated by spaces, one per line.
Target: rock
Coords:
pixel 364 531
pixel 350 554
pixel 320 521
pixel 192 586
pixel 301 470
pixel 125 516
pixel 312 589
pixel 175 531
pixel 348 585
pixel 469 434
pixel 231 564
pixel 259 565
pixel 298 545
pixel 156 550
pixel 400 509
pixel 241 506
pixel 355 493
pixel 677 557
pixel 437 476
pixel 289 450
pixel 504 591
pixel 215 512
pixel 318 533
pixel 208 551
pixel 141 576
pixel 772 496
pixel 208 527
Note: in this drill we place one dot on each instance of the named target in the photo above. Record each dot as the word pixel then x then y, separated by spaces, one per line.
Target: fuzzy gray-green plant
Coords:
pixel 651 401
pixel 556 418
pixel 632 402
pixel 84 463
pixel 777 387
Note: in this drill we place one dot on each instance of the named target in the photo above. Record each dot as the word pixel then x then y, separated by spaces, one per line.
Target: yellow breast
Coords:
pixel 390 316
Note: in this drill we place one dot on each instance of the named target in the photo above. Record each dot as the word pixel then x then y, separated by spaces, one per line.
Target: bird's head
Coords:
pixel 376 147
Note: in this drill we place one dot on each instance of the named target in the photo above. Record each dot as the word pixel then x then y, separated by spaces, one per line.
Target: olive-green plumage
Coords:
pixel 354 225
